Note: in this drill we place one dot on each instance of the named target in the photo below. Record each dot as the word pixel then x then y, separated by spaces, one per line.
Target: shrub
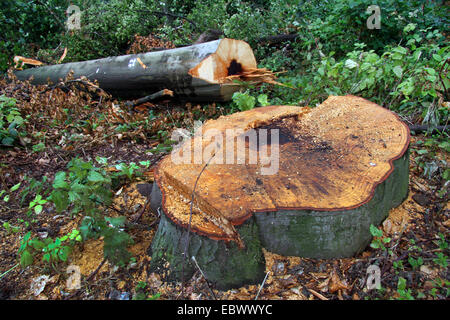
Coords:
pixel 28 25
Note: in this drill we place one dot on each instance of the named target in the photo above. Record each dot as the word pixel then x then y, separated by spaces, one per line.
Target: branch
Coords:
pixel 155 96
pixel 445 92
pixel 278 38
pixel 423 128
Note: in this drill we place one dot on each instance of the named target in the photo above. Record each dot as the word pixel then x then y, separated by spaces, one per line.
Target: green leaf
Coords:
pixel 375 245
pixel 60 180
pixel 8 141
pixel 375 231
pixel 64 253
pixel 37 244
pixel 46 257
pixel 262 99
pixel 115 246
pixel 26 259
pixel 60 199
pixel 15 187
pixel 398 71
pixel 401 284
pixel 243 101
pixel 95 176
pixel 437 57
pixel 444 145
pixel 38 209
pixel 116 222
pixel 430 71
pixel 446 174
pixel 422 151
pixel 101 160
pixel 349 63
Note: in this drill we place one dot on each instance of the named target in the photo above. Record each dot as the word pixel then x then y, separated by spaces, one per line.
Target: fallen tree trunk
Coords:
pixel 320 177
pixel 197 72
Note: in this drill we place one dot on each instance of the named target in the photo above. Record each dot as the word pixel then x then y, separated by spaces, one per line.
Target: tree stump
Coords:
pixel 297 181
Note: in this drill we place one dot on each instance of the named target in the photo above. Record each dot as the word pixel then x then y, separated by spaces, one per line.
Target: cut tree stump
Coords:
pixel 199 72
pixel 334 170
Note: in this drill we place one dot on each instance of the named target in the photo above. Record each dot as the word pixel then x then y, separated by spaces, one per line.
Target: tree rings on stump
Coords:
pixel 297 181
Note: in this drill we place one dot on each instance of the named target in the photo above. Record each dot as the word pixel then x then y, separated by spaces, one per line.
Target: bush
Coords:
pixel 27 26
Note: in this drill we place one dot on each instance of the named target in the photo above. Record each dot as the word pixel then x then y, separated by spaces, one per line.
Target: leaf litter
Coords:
pixel 77 119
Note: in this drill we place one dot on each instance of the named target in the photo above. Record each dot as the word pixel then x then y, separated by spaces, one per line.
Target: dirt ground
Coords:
pixel 418 228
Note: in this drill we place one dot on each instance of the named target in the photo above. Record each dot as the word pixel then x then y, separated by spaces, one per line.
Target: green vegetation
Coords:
pixel 402 66
pixel 10 121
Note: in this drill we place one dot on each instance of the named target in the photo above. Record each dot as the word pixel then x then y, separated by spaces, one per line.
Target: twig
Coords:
pixel 6 272
pixel 160 13
pixel 423 128
pixel 207 282
pixel 158 95
pixel 262 285
pixel 92 275
pixel 147 201
pixel 318 295
pixel 442 81
pixel 190 221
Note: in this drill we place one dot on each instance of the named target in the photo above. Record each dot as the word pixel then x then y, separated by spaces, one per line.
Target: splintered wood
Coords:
pixel 254 75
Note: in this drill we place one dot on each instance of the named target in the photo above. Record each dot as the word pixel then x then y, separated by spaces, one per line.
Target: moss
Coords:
pixel 223 264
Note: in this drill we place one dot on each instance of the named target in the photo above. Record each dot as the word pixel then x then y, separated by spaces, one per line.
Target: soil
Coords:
pixel 414 229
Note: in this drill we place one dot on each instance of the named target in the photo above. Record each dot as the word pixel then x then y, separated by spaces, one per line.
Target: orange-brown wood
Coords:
pixel 331 158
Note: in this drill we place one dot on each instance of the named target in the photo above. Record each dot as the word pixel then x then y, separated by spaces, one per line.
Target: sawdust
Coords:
pixel 89 257
pixel 400 216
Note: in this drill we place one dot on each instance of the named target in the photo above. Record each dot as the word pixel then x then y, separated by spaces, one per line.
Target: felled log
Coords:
pixel 322 176
pixel 197 72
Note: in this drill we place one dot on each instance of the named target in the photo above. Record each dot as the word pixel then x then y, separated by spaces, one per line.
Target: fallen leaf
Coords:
pixel 337 284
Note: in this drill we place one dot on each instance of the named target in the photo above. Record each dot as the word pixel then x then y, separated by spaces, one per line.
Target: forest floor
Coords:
pixel 79 120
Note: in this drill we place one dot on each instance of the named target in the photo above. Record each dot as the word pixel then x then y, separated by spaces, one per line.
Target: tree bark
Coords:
pixel 223 263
